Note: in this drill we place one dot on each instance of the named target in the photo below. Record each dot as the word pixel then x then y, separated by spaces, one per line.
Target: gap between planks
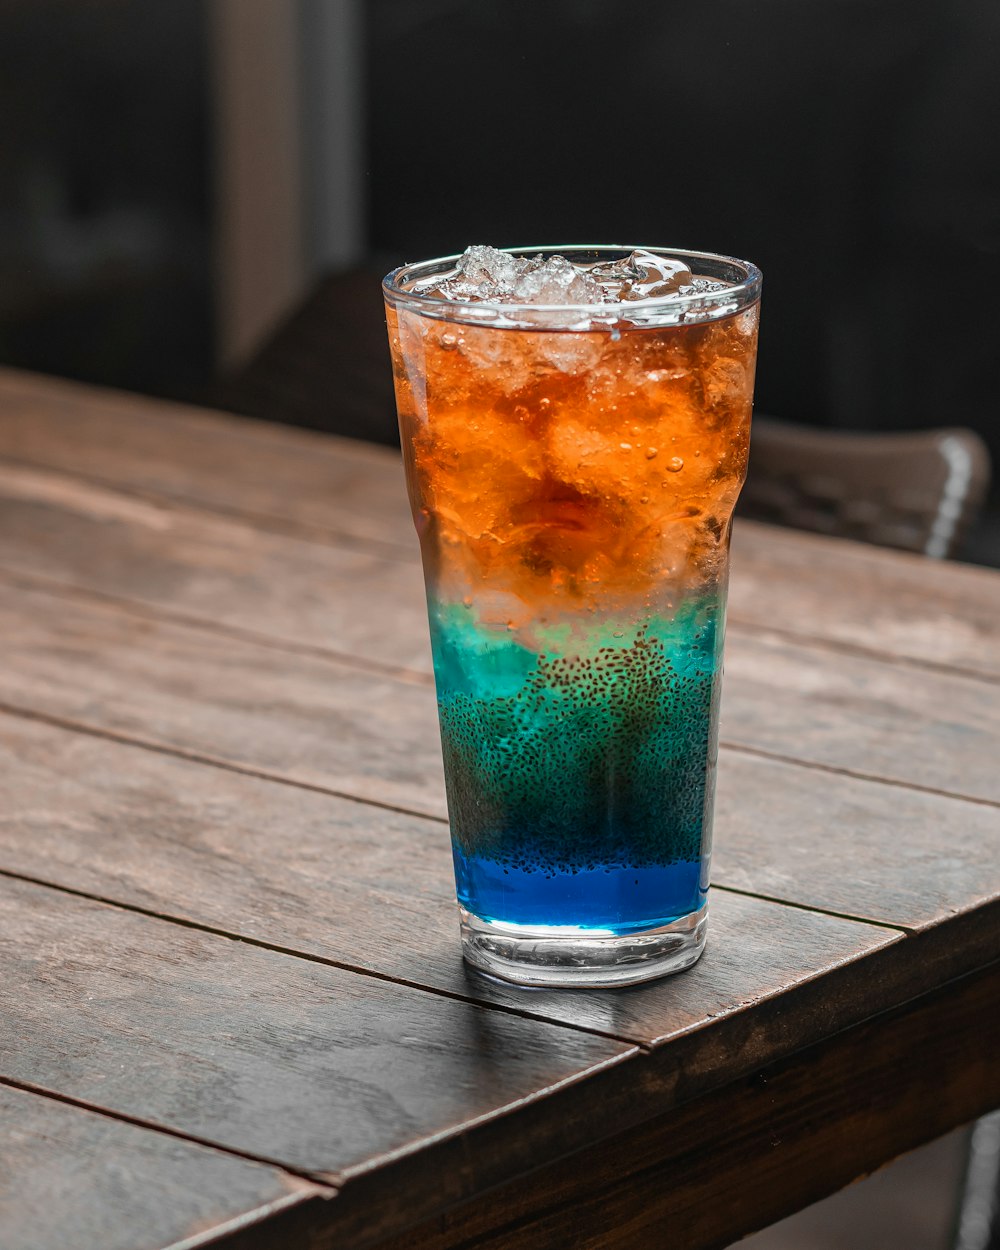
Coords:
pixel 344 965
pixel 318 1184
pixel 325 535
pixel 524 1013
pixel 746 625
pixel 40 584
pixel 18 579
pixel 819 911
pixel 856 773
pixel 323 1184
pixel 263 774
pixel 210 761
pixel 398 553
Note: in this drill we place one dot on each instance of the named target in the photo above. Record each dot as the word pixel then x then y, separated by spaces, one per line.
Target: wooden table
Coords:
pixel 232 1007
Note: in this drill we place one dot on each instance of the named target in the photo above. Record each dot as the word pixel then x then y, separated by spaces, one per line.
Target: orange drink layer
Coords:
pixel 573 475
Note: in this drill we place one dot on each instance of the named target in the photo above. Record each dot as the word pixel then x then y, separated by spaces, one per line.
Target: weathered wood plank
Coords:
pixel 822 973
pixel 812 990
pixel 200 1033
pixel 70 1177
pixel 811 586
pixel 413 1100
pixel 757 1150
pixel 277 1057
pixel 930 729
pixel 314 721
pixel 871 850
pixel 274 473
pixel 925 728
pixel 219 570
pixel 373 889
pixel 890 602
pixel 880 852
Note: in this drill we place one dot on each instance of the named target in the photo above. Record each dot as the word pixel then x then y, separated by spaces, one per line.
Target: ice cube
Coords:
pixel 702 286
pixel 483 264
pixel 554 280
pixel 652 277
pixel 482 273
pixel 573 354
pixel 625 269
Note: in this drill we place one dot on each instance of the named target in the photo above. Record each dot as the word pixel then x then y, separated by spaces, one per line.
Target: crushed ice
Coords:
pixel 485 275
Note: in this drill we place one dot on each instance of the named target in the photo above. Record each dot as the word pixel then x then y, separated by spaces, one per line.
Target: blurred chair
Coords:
pixel 918 492
pixel 326 366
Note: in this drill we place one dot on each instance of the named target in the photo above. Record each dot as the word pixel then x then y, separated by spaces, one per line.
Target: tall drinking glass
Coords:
pixel 575 433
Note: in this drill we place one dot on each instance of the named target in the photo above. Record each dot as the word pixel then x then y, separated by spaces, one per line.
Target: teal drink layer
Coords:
pixel 580 770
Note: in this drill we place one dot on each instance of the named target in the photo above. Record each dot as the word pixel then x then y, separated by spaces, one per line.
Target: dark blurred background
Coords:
pixel 178 178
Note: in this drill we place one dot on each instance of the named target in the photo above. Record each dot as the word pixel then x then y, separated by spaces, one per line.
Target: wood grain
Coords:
pixel 888 602
pixel 72 1178
pixel 813 587
pixel 261 544
pixel 865 849
pixel 879 852
pixel 248 575
pixel 756 1150
pixel 280 1058
pixel 275 474
pixel 220 571
pixel 375 891
pixel 314 721
pixel 927 728
pixel 344 882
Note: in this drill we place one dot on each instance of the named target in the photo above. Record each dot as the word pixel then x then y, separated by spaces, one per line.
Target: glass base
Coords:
pixel 565 957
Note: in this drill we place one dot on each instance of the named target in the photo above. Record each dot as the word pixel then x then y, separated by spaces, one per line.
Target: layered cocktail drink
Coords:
pixel 575 426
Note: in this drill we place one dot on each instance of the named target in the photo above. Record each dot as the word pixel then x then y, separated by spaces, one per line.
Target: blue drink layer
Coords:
pixel 618 899
pixel 580 769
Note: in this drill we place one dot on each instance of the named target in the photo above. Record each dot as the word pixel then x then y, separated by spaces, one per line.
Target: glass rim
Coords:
pixel 696 306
